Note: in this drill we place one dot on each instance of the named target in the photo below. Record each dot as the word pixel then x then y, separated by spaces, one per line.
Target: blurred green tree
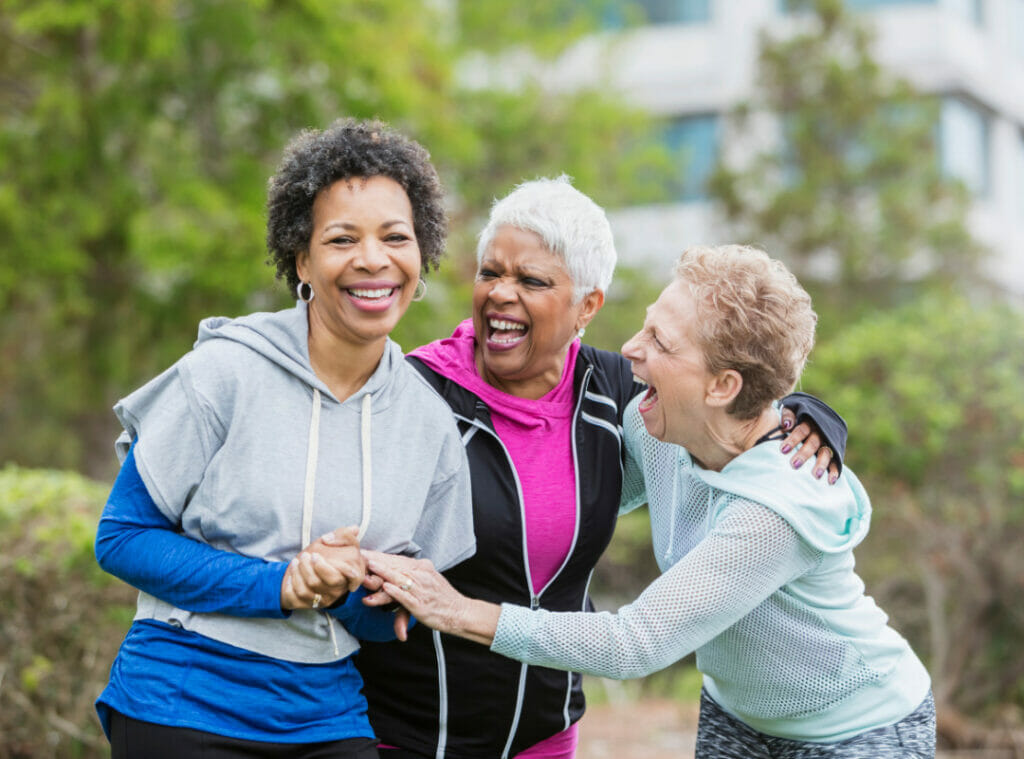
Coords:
pixel 850 192
pixel 136 138
pixel 938 439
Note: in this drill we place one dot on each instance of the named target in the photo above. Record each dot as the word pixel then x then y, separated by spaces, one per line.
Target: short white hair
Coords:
pixel 572 226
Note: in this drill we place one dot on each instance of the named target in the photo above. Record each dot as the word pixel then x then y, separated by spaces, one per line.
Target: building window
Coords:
pixel 1017 27
pixel 1019 173
pixel 693 141
pixel 867 4
pixel 964 143
pixel 675 11
pixel 968 9
pixel 789 6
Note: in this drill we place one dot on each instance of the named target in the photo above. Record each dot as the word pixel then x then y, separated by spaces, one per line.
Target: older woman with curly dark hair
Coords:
pixel 275 428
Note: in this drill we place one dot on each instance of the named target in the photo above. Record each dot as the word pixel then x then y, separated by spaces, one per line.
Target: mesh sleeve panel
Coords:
pixel 750 554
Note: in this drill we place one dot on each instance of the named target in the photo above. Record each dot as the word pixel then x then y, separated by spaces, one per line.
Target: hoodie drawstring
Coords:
pixel 312 452
pixel 311 455
pixel 367 467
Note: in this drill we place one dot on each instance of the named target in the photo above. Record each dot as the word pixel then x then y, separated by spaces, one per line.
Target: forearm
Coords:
pixel 477 622
pixel 720 581
pixel 138 544
pixel 430 597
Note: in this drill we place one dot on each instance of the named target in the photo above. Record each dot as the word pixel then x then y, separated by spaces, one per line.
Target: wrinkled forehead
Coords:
pixel 675 309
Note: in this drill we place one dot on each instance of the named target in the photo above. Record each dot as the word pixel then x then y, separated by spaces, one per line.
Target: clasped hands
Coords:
pixel 324 572
pixel 333 565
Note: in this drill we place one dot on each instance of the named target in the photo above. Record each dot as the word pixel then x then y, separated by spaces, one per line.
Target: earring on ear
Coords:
pixel 420 291
pixel 580 332
pixel 302 288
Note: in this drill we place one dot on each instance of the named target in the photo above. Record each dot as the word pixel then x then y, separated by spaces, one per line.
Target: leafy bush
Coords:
pixel 932 391
pixel 63 617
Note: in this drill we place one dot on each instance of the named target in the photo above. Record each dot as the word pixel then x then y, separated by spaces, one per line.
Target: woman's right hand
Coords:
pixel 416 585
pixel 325 571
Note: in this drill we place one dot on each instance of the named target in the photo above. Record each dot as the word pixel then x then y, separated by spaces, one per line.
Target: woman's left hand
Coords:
pixel 310 582
pixel 812 447
pixel 324 572
pixel 417 586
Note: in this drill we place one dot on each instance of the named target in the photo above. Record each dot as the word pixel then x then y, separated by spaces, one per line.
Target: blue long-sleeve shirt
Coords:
pixel 175 677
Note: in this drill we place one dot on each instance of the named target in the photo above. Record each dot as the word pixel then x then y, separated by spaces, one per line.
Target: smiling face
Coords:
pixel 665 354
pixel 523 314
pixel 363 260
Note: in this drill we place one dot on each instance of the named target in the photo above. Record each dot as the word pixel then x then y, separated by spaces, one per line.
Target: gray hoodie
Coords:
pixel 244 448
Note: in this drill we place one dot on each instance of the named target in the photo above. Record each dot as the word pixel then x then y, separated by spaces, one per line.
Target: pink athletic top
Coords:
pixel 538 437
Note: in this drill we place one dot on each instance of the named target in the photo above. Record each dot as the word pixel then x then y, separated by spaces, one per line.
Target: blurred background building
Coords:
pixel 692 61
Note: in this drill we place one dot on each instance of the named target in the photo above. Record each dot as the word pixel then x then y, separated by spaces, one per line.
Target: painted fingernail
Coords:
pixel 798 463
pixel 832 479
pixel 818 472
pixel 787 448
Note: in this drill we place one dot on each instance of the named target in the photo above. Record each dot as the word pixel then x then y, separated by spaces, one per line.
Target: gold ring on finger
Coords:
pixel 317 598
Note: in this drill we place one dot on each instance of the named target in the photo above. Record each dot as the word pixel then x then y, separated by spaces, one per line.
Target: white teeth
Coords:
pixel 512 339
pixel 640 380
pixel 379 293
pixel 501 324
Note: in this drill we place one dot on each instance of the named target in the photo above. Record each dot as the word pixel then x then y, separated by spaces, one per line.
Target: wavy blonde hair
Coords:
pixel 752 316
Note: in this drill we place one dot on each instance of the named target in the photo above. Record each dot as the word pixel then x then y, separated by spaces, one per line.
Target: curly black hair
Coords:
pixel 314 160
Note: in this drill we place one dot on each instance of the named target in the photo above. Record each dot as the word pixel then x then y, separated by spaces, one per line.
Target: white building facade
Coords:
pixel 695 60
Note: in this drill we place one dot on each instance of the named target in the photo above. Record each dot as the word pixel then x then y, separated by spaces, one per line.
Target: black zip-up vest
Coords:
pixel 445 697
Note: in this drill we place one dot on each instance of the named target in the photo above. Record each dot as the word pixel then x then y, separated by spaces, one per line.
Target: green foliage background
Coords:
pixel 135 145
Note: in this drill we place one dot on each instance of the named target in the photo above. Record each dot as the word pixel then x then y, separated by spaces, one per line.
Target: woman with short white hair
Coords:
pixel 758 563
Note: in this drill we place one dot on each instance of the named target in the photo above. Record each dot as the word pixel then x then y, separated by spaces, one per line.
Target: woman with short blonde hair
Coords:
pixel 758 569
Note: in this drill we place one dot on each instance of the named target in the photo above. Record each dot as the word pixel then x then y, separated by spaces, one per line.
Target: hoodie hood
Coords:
pixel 282 337
pixel 831 518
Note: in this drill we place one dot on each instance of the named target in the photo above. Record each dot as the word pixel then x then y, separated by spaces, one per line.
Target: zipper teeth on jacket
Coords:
pixel 534 597
pixel 518 712
pixel 576 481
pixel 442 691
pixel 566 723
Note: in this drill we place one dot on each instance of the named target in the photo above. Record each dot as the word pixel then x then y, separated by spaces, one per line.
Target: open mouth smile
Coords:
pixel 504 333
pixel 372 298
pixel 650 399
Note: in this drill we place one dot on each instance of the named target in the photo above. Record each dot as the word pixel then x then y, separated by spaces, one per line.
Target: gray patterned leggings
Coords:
pixel 720 736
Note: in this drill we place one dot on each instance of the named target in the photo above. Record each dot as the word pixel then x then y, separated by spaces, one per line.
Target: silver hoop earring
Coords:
pixel 302 293
pixel 420 291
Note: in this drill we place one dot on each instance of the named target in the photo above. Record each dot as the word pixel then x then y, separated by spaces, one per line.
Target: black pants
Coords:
pixel 134 739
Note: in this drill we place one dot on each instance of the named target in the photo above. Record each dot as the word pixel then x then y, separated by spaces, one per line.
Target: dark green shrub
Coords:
pixel 63 618
pixel 932 392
